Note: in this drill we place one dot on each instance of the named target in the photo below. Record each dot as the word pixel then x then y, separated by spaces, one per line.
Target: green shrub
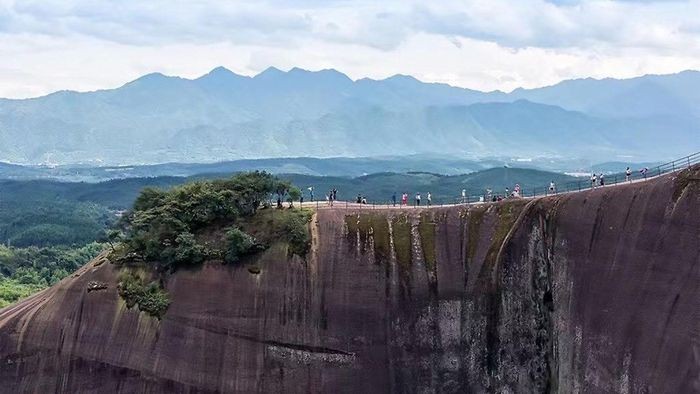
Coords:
pixel 149 297
pixel 130 289
pixel 296 231
pixel 239 244
pixel 186 251
pixel 154 300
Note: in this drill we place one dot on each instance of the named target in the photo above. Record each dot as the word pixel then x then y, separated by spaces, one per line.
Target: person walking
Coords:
pixel 335 194
pixel 404 199
pixel 552 188
pixel 430 199
pixel 602 179
pixel 464 196
pixel 594 180
pixel 644 171
pixel 393 198
pixel 417 199
pixel 628 174
pixel 311 193
pixel 507 195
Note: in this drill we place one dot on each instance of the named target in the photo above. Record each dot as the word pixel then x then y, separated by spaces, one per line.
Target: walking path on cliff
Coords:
pixel 613 180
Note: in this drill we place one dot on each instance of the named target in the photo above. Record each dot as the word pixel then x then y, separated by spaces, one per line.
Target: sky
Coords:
pixel 50 45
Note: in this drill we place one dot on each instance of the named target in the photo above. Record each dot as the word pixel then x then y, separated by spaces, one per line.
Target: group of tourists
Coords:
pixel 596 180
pixel 331 196
pixel 417 199
pixel 599 180
pixel 489 195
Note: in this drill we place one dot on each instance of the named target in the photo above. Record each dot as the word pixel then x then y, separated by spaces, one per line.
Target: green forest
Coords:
pixel 24 271
pixel 44 238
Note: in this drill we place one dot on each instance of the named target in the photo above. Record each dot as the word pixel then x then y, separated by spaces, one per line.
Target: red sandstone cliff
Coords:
pixel 589 292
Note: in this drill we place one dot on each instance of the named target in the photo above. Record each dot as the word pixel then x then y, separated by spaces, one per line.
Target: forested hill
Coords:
pixel 119 194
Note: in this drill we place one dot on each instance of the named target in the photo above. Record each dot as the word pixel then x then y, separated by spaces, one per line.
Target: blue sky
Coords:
pixel 48 45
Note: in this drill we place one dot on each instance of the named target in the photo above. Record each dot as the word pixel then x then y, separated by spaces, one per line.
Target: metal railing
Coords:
pixel 636 175
pixel 621 177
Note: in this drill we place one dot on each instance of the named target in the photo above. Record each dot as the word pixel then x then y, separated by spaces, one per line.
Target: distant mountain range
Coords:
pixel 225 116
pixel 309 166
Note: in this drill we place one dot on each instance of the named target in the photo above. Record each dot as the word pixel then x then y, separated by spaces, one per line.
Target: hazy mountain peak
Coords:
pixel 403 78
pixel 154 76
pixel 219 72
pixel 326 75
pixel 153 80
pixel 270 72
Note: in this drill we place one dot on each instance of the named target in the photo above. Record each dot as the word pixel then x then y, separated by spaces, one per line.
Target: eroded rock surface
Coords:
pixel 587 292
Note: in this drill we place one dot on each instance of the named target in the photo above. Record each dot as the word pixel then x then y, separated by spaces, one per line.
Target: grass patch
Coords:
pixel 271 225
pixel 372 225
pixel 507 214
pixel 426 229
pixel 402 241
pixel 475 219
pixel 149 297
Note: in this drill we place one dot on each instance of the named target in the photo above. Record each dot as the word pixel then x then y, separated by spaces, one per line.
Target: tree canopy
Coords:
pixel 169 228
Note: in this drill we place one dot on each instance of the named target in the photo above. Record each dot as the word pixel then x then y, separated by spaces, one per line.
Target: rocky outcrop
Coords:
pixel 587 292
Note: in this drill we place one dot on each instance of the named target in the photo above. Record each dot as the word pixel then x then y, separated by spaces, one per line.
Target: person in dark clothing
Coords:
pixel 644 171
pixel 393 198
pixel 359 198
pixel 335 194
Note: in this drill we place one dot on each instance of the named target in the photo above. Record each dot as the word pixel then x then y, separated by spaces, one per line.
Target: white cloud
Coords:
pixel 484 44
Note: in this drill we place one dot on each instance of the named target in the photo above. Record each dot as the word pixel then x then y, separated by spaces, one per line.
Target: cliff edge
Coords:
pixel 596 291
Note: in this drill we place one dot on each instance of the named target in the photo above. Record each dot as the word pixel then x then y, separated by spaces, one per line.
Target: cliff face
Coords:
pixel 588 292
